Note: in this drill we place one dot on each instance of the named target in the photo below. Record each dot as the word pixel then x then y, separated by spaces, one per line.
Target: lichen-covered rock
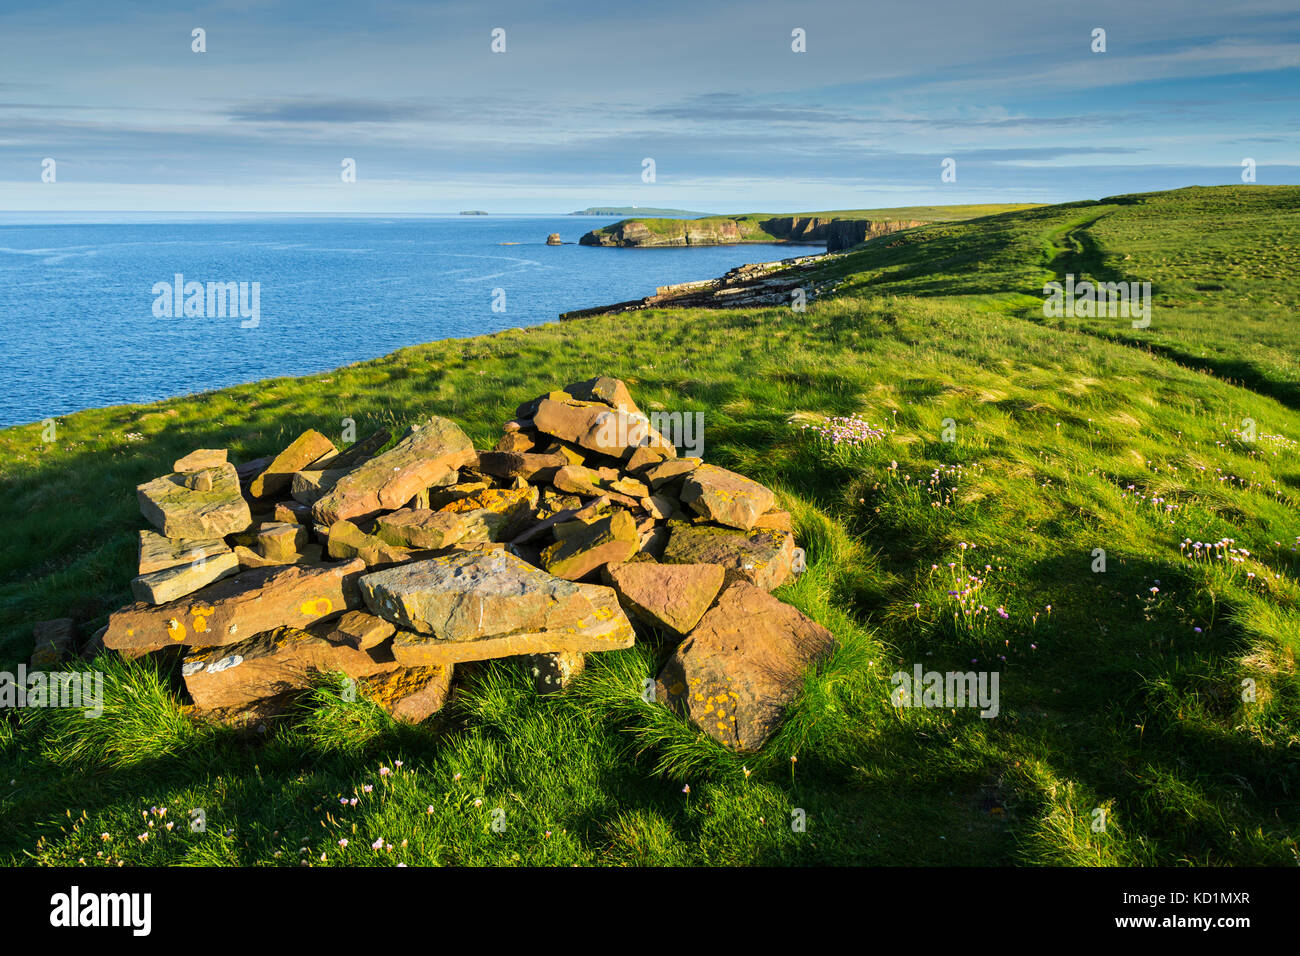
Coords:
pixel 200 459
pixel 236 608
pixel 279 540
pixel 742 665
pixel 725 497
pixel 762 557
pixel 390 480
pixel 179 511
pixel 409 694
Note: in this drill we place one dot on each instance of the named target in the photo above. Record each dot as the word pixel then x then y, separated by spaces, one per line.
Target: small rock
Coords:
pixel 54 641
pixel 181 512
pixel 669 596
pixel 200 459
pixel 159 587
pixel 582 548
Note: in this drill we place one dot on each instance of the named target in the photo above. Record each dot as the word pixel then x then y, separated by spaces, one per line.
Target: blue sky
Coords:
pixel 734 119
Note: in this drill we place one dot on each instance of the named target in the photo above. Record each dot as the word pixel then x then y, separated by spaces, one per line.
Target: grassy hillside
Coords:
pixel 1121 690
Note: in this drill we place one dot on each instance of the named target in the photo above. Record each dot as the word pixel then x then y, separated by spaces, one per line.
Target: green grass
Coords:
pixel 1118 698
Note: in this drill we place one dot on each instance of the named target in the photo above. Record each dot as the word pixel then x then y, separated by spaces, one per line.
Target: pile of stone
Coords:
pixel 581 531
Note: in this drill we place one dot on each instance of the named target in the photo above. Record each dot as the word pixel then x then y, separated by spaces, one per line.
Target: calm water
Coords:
pixel 77 323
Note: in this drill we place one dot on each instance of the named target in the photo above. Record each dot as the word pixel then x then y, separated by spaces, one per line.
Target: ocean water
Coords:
pixel 77 299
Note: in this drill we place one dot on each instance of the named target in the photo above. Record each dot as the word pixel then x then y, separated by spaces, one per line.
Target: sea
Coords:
pixel 90 316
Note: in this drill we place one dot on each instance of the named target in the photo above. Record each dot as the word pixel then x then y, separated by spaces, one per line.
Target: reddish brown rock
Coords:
pixel 361 629
pixel 280 540
pixel 530 467
pixel 775 520
pixel 598 427
pixel 308 447
pixel 725 497
pixel 271 664
pixel 669 471
pixel 741 666
pixel 669 596
pixel 389 480
pixel 234 609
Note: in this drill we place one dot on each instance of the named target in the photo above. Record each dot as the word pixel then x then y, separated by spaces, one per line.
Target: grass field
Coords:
pixel 1159 695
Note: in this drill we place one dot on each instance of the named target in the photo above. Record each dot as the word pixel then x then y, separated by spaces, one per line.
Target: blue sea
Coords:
pixel 78 327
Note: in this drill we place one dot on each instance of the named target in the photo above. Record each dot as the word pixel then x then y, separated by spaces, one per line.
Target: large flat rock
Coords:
pixel 742 665
pixel 598 427
pixel 390 480
pixel 237 608
pixel 180 506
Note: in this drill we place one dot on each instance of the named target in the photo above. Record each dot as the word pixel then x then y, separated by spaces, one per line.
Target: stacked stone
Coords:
pixel 579 530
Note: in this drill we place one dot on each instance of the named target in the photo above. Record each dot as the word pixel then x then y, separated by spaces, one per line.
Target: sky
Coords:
pixel 733 117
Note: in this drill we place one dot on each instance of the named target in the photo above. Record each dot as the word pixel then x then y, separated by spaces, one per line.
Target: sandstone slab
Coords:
pixel 157 553
pixel 409 694
pixel 583 547
pixel 236 608
pixel 308 447
pixel 201 458
pixel 669 596
pixel 159 587
pixel 742 665
pixel 391 479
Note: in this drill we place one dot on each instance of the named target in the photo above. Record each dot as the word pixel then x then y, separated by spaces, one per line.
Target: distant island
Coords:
pixel 473 212
pixel 651 211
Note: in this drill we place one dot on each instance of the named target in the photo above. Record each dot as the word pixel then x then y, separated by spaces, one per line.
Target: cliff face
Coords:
pixel 719 230
pixel 666 232
pixel 843 233
pixel 797 228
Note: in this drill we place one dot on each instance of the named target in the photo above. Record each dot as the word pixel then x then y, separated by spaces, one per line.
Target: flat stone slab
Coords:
pixel 742 665
pixel 200 459
pixel 361 629
pixel 466 595
pixel 725 497
pixel 308 447
pixel 762 557
pixel 598 427
pixel 159 587
pixel 605 628
pixel 157 553
pixel 669 596
pixel 237 608
pixel 270 664
pixel 179 511
pixel 390 480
